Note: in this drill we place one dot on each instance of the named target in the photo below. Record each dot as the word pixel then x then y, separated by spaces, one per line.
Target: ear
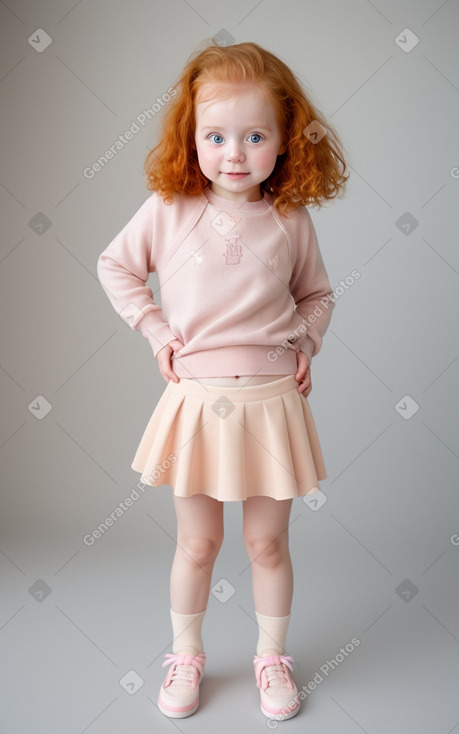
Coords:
pixel 282 149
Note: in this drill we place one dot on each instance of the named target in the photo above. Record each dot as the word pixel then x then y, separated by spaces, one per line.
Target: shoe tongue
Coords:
pixel 182 674
pixel 275 673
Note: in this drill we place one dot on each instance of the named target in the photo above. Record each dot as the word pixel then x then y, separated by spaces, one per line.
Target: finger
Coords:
pixel 305 386
pixel 171 374
pixel 168 374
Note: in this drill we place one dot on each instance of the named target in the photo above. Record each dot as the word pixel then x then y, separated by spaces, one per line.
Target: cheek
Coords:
pixel 206 156
pixel 266 157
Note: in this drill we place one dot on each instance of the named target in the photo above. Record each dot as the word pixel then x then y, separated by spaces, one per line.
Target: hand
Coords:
pixel 303 374
pixel 164 360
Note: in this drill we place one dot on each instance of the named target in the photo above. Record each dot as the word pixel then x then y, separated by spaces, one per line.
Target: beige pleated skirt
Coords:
pixel 231 443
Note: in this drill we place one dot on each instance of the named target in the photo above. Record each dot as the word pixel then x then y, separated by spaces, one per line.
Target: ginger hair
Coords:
pixel 306 173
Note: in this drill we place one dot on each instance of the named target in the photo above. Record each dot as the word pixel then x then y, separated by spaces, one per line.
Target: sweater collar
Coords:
pixel 251 207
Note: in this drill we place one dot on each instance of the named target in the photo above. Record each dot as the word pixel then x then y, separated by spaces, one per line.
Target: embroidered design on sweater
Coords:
pixel 233 252
pixel 197 258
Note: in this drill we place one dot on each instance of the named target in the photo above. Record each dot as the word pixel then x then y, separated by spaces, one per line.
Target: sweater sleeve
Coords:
pixel 311 290
pixel 123 269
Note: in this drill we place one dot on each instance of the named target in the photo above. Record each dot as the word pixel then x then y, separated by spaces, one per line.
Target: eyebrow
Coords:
pixel 249 127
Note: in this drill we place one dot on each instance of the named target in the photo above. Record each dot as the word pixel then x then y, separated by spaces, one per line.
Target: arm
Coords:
pixel 123 269
pixel 310 288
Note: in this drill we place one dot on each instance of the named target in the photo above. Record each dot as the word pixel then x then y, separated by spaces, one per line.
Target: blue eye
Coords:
pixel 255 135
pixel 216 135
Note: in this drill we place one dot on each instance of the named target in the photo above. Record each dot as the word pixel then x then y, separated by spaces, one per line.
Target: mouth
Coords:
pixel 233 174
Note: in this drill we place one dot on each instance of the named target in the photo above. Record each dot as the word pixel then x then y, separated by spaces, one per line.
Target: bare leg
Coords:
pixel 266 540
pixel 199 538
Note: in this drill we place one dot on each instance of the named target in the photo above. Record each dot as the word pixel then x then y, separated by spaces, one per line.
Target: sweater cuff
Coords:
pixel 307 347
pixel 155 330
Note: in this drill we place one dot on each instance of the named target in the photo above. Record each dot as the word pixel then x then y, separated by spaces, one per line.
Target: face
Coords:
pixel 237 139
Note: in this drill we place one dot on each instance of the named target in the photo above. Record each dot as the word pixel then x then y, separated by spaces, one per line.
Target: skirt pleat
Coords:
pixel 232 443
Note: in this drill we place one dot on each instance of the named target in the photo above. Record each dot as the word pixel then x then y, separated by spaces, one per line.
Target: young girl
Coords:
pixel 245 303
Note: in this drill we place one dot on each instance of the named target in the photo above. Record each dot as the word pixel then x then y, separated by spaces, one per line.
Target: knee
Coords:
pixel 267 552
pixel 201 550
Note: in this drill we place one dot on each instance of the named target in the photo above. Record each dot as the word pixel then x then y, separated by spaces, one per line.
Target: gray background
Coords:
pixel 379 560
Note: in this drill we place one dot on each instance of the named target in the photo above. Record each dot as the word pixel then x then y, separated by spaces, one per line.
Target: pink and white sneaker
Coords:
pixel 279 697
pixel 179 694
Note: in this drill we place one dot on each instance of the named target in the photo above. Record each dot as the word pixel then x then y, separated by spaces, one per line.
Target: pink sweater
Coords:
pixel 230 277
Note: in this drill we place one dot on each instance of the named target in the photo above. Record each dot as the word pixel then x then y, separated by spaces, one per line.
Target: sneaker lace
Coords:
pixel 184 668
pixel 271 670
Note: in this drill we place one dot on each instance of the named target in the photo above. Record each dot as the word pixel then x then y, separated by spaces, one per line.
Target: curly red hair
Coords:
pixel 306 173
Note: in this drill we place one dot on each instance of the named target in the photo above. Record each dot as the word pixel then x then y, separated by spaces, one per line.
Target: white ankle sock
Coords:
pixel 272 633
pixel 186 629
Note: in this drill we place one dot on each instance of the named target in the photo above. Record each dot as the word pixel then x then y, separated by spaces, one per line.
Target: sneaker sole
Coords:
pixel 279 716
pixel 178 712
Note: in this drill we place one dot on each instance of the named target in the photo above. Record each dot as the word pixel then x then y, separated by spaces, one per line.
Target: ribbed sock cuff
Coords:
pixel 186 629
pixel 272 634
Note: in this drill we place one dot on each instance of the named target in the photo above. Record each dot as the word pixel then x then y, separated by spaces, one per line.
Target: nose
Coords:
pixel 234 152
